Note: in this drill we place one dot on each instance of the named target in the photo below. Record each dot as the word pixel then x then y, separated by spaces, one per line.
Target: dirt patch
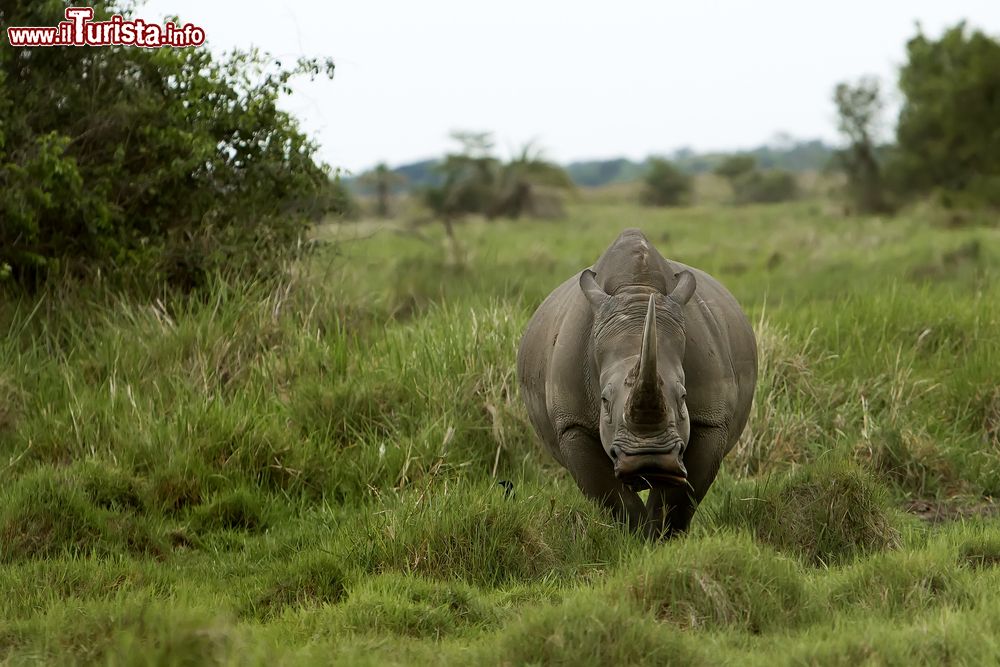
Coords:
pixel 941 511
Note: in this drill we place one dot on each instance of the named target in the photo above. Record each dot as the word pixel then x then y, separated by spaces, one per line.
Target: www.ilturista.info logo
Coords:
pixel 79 30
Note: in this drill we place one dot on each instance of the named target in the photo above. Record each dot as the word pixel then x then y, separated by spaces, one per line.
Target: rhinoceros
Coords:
pixel 638 373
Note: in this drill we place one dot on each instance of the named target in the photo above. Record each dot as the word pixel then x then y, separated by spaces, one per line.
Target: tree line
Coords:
pixel 163 167
pixel 947 137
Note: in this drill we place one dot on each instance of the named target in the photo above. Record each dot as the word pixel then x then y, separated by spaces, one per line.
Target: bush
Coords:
pixel 765 187
pixel 665 184
pixel 170 154
pixel 754 186
pixel 735 166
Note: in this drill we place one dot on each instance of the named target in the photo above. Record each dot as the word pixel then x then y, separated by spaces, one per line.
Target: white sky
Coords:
pixel 582 78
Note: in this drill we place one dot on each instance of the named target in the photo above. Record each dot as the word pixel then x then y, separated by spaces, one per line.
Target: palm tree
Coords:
pixel 524 183
pixel 475 181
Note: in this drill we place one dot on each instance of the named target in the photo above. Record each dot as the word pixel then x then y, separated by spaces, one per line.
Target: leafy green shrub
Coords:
pixel 947 132
pixel 765 187
pixel 171 162
pixel 735 166
pixel 665 184
pixel 756 186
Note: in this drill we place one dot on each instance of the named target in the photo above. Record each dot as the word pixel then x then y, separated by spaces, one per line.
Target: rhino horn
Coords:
pixel 684 289
pixel 646 406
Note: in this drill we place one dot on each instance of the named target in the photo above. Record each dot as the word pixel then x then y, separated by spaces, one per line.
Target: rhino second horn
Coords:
pixel 646 406
pixel 684 289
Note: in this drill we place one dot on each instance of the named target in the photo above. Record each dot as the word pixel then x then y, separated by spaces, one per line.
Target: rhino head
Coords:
pixel 639 349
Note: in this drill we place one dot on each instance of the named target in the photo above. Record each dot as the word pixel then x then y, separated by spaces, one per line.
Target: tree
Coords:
pixel 948 135
pixel 752 185
pixel 665 184
pixel 469 178
pixel 164 153
pixel 765 186
pixel 477 182
pixel 529 184
pixel 736 166
pixel 382 180
pixel 859 107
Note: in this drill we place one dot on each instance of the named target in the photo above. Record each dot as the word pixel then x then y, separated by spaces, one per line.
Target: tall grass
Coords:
pixel 311 471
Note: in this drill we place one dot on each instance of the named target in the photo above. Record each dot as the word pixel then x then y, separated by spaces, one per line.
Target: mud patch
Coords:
pixel 942 511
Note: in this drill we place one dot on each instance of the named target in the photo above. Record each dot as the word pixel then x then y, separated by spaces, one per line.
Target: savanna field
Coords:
pixel 308 472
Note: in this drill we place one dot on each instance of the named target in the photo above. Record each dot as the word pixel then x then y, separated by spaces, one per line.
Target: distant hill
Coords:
pixel 594 173
pixel 789 154
pixel 420 174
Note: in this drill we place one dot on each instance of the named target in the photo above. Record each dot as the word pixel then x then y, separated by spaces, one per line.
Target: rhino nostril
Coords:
pixel 613 452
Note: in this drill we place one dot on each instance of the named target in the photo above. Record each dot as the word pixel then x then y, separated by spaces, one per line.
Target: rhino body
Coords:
pixel 639 373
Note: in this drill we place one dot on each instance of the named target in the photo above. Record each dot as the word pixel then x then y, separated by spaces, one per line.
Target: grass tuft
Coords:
pixel 308 580
pixel 45 514
pixel 416 607
pixel 241 509
pixel 824 513
pixel 477 534
pixel 726 580
pixel 900 583
pixel 586 630
pixel 980 551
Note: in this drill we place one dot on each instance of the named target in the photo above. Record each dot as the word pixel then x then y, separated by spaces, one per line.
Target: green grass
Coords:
pixel 307 472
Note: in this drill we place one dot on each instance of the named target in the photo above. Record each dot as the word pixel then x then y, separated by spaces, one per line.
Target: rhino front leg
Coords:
pixel 670 509
pixel 595 475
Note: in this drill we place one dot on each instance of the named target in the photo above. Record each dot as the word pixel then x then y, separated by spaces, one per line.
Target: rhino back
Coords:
pixel 720 357
pixel 554 365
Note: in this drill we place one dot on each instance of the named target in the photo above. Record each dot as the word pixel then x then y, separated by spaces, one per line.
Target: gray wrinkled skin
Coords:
pixel 639 373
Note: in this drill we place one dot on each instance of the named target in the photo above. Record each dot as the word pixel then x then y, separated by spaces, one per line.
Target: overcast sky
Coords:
pixel 583 79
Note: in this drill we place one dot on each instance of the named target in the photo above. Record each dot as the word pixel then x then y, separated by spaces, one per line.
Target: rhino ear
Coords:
pixel 595 295
pixel 684 289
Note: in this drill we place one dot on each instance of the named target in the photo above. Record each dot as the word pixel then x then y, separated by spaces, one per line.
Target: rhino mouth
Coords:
pixel 646 469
